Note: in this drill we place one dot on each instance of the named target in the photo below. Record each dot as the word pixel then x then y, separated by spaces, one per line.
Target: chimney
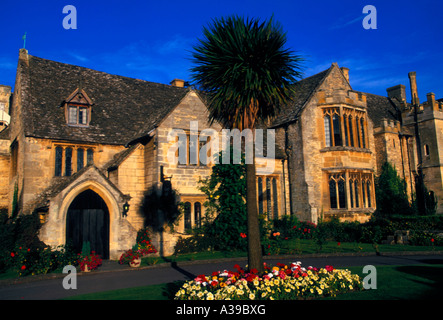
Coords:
pixel 431 100
pixel 398 92
pixel 413 83
pixel 178 83
pixel 345 72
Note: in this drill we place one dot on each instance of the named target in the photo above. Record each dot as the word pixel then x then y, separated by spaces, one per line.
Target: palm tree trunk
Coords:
pixel 255 259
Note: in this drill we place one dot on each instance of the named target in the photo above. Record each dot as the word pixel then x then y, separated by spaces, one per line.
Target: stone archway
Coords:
pixel 87 220
pixel 122 234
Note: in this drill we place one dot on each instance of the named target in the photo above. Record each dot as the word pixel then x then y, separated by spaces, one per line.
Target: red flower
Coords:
pixel 338 244
pixel 243 235
pixel 432 240
pixel 12 254
pixel 253 270
pixel 215 273
pixel 23 267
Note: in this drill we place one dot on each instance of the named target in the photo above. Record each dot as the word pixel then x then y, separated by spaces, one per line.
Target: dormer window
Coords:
pixel 77 115
pixel 78 108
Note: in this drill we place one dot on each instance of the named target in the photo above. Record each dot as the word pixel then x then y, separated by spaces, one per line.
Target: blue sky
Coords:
pixel 151 40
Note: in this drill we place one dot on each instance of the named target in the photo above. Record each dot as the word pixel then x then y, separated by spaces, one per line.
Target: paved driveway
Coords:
pixel 112 278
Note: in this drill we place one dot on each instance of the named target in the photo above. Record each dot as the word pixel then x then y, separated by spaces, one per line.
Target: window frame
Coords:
pixel 194 156
pixel 67 165
pixel 358 193
pixel 344 126
pixel 85 110
pixel 268 195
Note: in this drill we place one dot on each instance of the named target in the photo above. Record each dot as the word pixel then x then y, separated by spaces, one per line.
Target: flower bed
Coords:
pixel 281 282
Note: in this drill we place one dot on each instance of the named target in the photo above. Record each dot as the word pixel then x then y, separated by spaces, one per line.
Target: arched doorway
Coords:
pixel 88 220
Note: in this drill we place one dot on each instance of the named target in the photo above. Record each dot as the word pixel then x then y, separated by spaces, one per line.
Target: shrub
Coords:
pixel 423 238
pixel 26 261
pixel 196 243
pixel 143 241
pixel 390 192
pixel 226 217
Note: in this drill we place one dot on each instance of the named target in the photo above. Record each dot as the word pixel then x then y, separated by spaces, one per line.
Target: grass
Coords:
pixel 302 246
pixel 414 282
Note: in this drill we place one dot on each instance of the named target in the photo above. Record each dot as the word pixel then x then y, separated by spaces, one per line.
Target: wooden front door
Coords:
pixel 88 220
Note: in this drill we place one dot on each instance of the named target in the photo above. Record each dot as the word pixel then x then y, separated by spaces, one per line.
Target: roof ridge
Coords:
pixel 104 72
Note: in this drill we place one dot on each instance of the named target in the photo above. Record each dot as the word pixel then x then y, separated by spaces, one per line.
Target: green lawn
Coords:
pixel 413 282
pixel 302 246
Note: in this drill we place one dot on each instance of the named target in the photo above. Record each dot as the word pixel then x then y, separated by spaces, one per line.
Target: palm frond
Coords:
pixel 245 69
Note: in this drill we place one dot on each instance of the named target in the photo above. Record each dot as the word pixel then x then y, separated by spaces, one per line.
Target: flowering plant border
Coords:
pixel 281 282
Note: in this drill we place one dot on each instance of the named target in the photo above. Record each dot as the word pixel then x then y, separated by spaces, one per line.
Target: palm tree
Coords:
pixel 247 75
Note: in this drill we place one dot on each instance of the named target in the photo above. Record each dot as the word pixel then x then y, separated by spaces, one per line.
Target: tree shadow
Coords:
pixel 173 287
pixel 432 273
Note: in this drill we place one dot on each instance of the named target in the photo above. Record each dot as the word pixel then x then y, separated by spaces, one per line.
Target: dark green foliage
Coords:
pixel 429 199
pixel 22 251
pixel 390 191
pixel 225 189
pixel 340 231
pixel 241 62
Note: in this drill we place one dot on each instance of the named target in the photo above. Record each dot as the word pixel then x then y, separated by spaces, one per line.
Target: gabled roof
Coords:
pixel 58 184
pixel 123 107
pixel 304 89
pixel 378 107
pixel 118 158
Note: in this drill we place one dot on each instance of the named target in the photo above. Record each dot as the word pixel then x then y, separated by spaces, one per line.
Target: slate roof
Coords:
pixel 303 91
pixel 123 107
pixel 126 109
pixel 380 108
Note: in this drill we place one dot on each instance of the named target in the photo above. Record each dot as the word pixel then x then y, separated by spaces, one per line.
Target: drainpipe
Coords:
pixel 288 150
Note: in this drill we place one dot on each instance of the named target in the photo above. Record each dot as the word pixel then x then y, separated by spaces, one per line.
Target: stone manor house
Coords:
pixel 81 147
